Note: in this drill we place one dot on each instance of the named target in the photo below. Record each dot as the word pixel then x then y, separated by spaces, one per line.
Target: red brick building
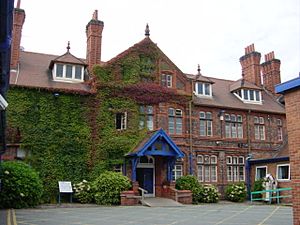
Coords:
pixel 291 91
pixel 212 136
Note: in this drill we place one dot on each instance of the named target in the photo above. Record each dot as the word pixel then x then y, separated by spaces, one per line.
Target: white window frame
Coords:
pixel 242 96
pixel 203 88
pixel 260 167
pixel 175 121
pixel 177 168
pixel 204 168
pixel 277 172
pixel 233 168
pixel 167 80
pixel 123 121
pixel 64 78
pixel 206 123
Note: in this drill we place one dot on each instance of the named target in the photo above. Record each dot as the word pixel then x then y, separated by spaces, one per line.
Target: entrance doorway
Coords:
pixel 145 174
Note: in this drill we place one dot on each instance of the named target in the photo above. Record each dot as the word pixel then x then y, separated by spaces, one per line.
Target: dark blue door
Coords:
pixel 145 178
pixel 148 180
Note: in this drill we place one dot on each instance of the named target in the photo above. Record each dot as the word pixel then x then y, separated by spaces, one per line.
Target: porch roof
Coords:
pixel 147 146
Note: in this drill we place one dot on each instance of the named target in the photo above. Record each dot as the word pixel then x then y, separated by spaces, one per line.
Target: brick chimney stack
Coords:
pixel 94 38
pixel 251 65
pixel 18 21
pixel 271 72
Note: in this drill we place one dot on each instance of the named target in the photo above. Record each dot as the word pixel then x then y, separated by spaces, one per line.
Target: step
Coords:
pixel 160 202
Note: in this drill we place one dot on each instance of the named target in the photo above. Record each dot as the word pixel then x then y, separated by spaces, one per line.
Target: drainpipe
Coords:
pixel 191 139
pixel 249 156
pixel 248 180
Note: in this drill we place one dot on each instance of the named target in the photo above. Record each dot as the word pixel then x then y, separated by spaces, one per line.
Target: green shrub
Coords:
pixel 21 186
pixel 258 186
pixel 209 194
pixel 83 192
pixel 191 183
pixel 206 193
pixel 236 192
pixel 108 186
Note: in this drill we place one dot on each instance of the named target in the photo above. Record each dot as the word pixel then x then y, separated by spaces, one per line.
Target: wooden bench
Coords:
pixel 274 194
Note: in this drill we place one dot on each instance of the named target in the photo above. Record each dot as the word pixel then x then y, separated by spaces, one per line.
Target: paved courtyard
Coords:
pixel 207 214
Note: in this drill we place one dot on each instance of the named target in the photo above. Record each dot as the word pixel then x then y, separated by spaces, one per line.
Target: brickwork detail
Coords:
pixel 292 103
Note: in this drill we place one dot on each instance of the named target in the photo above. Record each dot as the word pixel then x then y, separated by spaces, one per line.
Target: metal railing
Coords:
pixel 143 191
pixel 276 195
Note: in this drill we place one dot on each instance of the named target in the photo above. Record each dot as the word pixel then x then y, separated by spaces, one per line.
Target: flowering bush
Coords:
pixel 21 186
pixel 236 192
pixel 83 192
pixel 201 193
pixel 209 194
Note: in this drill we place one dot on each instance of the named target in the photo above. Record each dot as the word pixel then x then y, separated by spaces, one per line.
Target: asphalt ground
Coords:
pixel 205 214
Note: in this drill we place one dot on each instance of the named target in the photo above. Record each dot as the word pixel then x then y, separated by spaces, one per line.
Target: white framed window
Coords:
pixel 177 171
pixel 207 168
pixel 279 130
pixel 117 168
pixel 259 128
pixel 68 72
pixel 249 96
pixel 203 89
pixel 200 159
pixel 233 126
pixel 146 117
pixel 166 80
pixel 235 168
pixel 175 121
pixel 206 124
pixel 121 121
pixel 260 172
pixel 283 172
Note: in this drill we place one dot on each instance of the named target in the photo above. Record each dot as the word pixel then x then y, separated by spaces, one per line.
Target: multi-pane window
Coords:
pixel 146 117
pixel 249 96
pixel 259 128
pixel 175 121
pixel 203 89
pixel 117 168
pixel 233 126
pixel 279 130
pixel 207 168
pixel 261 172
pixel 177 171
pixel 283 172
pixel 205 124
pixel 166 80
pixel 121 121
pixel 68 72
pixel 235 168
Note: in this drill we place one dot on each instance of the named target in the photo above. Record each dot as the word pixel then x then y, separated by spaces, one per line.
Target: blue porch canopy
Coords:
pixel 158 144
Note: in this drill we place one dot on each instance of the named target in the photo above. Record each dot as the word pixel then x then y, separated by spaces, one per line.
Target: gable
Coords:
pixel 158 144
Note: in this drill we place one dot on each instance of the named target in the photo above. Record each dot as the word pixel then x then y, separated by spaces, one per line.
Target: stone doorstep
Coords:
pixel 161 202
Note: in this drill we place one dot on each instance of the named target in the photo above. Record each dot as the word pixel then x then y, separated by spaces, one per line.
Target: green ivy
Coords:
pixel 54 131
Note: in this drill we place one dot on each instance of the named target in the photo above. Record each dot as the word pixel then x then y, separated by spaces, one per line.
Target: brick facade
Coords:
pixel 18 21
pixel 215 157
pixel 292 103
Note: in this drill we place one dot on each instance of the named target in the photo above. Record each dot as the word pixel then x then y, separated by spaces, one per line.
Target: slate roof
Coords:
pixel 223 98
pixel 34 72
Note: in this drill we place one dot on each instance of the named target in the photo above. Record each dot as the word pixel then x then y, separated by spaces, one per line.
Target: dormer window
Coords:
pixel 203 89
pixel 68 72
pixel 249 96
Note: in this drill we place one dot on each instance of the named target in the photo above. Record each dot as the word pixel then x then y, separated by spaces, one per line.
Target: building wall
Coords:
pixel 292 100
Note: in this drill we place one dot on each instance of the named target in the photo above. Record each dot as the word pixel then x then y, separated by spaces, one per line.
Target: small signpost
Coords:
pixel 65 187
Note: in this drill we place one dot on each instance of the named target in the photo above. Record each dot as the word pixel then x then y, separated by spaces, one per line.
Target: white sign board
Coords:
pixel 65 187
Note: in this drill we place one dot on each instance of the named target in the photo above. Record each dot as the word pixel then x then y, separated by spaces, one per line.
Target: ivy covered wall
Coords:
pixel 54 132
pixel 74 137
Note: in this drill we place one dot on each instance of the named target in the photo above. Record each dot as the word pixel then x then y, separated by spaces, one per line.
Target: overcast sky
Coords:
pixel 212 33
